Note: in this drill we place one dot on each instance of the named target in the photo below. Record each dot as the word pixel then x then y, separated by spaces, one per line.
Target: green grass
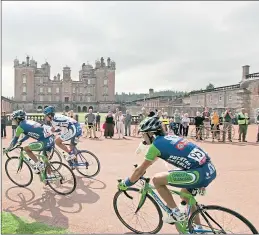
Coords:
pixel 81 117
pixel 12 224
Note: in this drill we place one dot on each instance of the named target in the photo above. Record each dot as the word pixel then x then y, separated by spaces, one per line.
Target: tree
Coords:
pixel 210 87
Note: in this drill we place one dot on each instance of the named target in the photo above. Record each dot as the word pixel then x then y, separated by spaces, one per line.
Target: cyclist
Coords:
pixel 196 169
pixel 68 127
pixel 35 130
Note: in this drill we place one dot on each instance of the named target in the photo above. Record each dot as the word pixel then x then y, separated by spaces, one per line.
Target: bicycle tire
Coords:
pixel 97 160
pixel 160 223
pixel 58 154
pixel 72 173
pixel 10 178
pixel 220 208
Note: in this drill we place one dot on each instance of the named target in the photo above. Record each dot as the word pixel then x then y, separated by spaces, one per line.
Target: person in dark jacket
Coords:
pixel 98 121
pixel 3 125
pixel 109 125
pixel 198 123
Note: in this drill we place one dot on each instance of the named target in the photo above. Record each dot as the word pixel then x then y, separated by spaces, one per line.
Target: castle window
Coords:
pixel 24 79
pixel 24 89
pixel 41 89
pixel 105 82
pixel 230 97
pixel 74 90
pixel 49 89
pixel 105 90
pixel 220 98
pixel 41 97
pixel 41 80
pixel 88 99
pixel 50 98
pixel 24 98
pixel 57 89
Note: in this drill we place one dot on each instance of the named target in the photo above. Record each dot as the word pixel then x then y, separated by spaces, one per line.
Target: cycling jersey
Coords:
pixel 31 129
pixel 196 168
pixel 68 126
pixel 178 152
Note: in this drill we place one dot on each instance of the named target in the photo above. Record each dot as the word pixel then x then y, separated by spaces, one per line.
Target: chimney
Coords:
pixel 151 92
pixel 245 71
pixel 27 60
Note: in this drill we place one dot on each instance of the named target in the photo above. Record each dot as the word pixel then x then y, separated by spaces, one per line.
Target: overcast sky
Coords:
pixel 160 45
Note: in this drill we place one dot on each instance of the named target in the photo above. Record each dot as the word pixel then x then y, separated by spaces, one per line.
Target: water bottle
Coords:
pixel 183 207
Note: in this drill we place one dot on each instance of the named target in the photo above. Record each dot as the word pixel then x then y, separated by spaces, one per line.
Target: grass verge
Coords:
pixel 12 224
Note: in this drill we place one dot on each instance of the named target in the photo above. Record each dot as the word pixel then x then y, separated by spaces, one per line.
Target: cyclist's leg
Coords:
pixel 65 137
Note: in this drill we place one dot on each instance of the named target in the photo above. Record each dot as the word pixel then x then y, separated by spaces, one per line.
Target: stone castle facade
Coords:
pixel 34 89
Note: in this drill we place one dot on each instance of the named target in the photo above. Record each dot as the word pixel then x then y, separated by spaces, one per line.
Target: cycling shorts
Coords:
pixel 74 131
pixel 42 145
pixel 194 178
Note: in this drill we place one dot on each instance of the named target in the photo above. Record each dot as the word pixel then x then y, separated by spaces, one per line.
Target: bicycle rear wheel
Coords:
pixel 212 224
pixel 60 175
pixel 24 173
pixel 85 161
pixel 131 203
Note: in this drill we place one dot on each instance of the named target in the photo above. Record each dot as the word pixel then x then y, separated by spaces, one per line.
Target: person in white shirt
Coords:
pixel 120 125
pixel 185 124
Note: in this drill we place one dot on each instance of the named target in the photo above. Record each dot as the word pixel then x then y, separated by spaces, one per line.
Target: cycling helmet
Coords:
pixel 19 114
pixel 50 110
pixel 151 124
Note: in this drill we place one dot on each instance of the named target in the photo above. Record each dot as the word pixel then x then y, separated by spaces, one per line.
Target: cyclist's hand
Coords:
pixel 18 144
pixel 122 186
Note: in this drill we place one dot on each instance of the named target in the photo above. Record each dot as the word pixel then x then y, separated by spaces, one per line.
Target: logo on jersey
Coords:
pixel 179 162
pixel 33 135
pixel 181 145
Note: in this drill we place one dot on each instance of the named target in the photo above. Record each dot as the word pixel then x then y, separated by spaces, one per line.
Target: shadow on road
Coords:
pixel 50 207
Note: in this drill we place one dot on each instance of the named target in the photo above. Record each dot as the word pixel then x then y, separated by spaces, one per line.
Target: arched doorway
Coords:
pixel 84 109
pixel 79 109
pixel 67 108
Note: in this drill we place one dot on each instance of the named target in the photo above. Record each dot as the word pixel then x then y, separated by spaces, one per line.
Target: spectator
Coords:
pixel 181 126
pixel 177 122
pixel 171 125
pixel 206 122
pixel 98 121
pixel 109 125
pixel 71 114
pixel 128 123
pixel 14 126
pixel 90 121
pixel 116 119
pixel 185 124
pixel 198 123
pixel 227 124
pixel 3 125
pixel 242 123
pixel 257 121
pixel 121 125
pixel 165 121
pixel 215 126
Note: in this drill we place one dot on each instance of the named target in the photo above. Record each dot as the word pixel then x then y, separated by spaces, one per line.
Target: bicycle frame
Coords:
pixel 149 189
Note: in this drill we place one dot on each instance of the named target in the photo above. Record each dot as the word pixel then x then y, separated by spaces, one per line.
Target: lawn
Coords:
pixel 12 224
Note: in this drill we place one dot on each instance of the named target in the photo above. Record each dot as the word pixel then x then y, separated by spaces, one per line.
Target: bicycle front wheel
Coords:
pixel 148 219
pixel 60 178
pixel 215 218
pixel 87 163
pixel 21 177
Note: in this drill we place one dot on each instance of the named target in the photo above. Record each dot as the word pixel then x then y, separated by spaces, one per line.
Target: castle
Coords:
pixel 34 89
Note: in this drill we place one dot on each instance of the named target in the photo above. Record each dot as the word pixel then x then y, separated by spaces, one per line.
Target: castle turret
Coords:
pixel 151 92
pixel 33 63
pixel 16 62
pixel 113 65
pixel 97 64
pixel 109 62
pixel 245 71
pixel 66 73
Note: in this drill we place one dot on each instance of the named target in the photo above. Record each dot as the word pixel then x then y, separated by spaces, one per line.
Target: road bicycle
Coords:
pixel 145 194
pixel 83 162
pixel 51 175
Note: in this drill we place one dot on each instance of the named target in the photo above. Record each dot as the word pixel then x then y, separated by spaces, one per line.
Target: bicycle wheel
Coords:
pixel 85 161
pixel 216 226
pixel 25 172
pixel 150 204
pixel 55 156
pixel 57 178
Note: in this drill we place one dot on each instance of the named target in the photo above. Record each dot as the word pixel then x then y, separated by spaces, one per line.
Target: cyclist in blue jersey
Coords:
pixel 196 169
pixel 68 127
pixel 30 128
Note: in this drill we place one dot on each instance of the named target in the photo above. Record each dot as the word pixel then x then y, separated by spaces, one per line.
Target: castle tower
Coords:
pixel 66 73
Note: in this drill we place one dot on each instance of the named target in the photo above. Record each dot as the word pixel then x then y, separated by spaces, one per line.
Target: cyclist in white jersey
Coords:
pixel 68 127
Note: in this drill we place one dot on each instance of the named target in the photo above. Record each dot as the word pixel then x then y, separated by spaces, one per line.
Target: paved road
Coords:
pixel 89 209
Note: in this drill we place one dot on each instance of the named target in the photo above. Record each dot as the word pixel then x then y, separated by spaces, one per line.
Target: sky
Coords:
pixel 159 45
